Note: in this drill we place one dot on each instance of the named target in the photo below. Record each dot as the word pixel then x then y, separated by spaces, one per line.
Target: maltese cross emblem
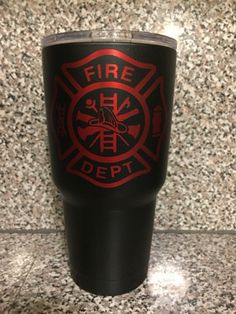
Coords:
pixel 108 117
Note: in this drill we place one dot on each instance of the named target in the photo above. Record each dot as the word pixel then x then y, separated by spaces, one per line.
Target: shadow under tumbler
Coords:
pixel 109 100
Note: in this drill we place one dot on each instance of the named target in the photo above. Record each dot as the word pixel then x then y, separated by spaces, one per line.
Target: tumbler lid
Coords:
pixel 109 36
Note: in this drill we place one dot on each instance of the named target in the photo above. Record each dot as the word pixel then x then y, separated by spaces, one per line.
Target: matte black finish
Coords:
pixel 109 228
pixel 120 242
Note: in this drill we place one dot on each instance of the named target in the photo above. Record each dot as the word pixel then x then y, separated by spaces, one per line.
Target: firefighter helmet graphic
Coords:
pixel 109 124
pixel 101 111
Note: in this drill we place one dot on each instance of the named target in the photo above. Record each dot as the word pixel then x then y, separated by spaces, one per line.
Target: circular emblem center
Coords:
pixel 108 122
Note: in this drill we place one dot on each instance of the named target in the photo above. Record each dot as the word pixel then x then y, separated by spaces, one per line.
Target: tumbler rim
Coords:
pixel 122 36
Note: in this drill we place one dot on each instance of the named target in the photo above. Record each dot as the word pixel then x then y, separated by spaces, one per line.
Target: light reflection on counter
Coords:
pixel 173 30
pixel 20 261
pixel 167 281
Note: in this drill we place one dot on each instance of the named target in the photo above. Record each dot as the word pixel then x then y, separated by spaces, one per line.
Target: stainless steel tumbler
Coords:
pixel 109 101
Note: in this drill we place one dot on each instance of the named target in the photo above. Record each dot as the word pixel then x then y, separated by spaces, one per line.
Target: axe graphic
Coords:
pixel 87 131
pixel 134 130
pixel 125 104
pixel 91 104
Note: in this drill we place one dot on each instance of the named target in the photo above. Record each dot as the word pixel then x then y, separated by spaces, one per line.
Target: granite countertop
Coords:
pixel 199 190
pixel 189 273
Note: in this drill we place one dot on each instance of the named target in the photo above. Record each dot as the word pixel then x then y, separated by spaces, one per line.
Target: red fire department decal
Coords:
pixel 108 117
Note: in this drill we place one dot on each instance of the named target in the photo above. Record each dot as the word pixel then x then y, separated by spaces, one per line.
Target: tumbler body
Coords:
pixel 109 108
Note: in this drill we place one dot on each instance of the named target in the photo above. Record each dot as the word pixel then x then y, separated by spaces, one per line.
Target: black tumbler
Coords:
pixel 109 100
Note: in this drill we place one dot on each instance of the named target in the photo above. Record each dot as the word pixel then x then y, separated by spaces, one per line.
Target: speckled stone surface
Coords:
pixel 200 187
pixel 188 273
